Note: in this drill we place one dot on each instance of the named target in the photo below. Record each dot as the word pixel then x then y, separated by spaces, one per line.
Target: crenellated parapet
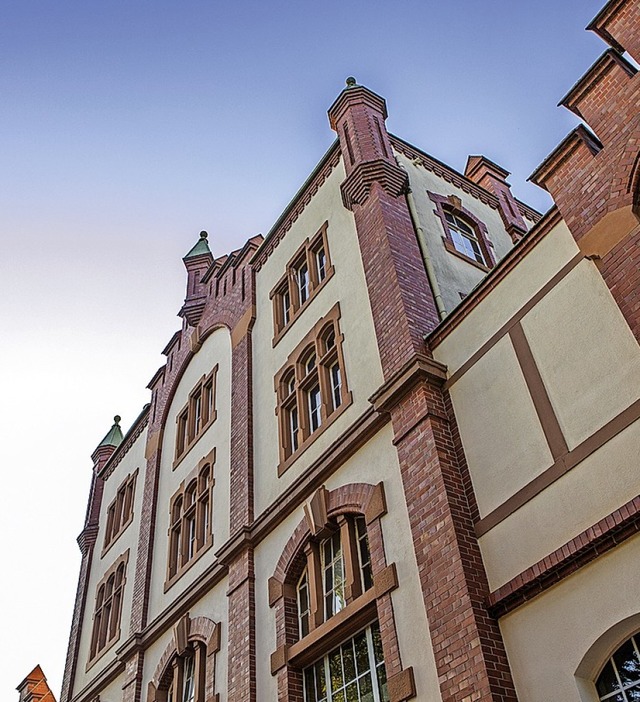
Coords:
pixel 594 174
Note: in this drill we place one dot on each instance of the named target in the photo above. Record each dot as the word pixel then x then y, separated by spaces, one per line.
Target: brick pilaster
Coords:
pixel 467 644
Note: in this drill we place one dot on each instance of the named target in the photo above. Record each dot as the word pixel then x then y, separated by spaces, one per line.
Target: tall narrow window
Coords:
pixel 333 576
pixel 304 610
pixel 120 511
pixel 108 608
pixel 311 388
pixel 194 419
pixel 304 276
pixel 185 678
pixel 190 532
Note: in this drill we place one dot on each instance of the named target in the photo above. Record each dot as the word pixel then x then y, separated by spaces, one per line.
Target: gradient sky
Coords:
pixel 126 127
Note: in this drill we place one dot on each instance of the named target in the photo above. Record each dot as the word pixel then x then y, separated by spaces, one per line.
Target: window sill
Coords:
pixel 107 647
pixel 178 460
pixel 287 462
pixel 296 313
pixel 170 582
pixel 329 634
pixel 452 250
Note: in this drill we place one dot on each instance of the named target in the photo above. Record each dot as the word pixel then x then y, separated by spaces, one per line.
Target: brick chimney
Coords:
pixel 493 178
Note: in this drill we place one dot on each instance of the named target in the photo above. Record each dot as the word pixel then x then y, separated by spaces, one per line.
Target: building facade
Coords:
pixel 393 452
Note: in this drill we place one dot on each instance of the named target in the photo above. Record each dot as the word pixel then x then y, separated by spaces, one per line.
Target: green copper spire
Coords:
pixel 202 247
pixel 114 435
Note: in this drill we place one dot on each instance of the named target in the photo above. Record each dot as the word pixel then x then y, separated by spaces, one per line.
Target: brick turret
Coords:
pixel 197 262
pixel 594 176
pixel 493 178
pixel 401 300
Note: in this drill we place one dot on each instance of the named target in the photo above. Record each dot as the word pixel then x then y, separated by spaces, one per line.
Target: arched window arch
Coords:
pixel 619 680
pixel 334 628
pixel 186 669
pixel 464 234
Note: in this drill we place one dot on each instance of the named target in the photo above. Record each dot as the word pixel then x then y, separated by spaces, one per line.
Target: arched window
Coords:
pixel 464 234
pixel 464 237
pixel 311 387
pixel 619 680
pixel 185 677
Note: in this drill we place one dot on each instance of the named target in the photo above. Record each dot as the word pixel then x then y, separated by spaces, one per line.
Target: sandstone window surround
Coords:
pixel 190 531
pixel 465 236
pixel 335 626
pixel 306 274
pixel 186 669
pixel 120 511
pixel 311 388
pixel 108 608
pixel 197 415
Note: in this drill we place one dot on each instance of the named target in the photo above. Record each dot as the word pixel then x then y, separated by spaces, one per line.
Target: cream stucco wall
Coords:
pixel 133 460
pixel 586 353
pixel 453 274
pixel 502 437
pixel 547 638
pixel 589 363
pixel 215 350
pixel 362 363
pixel 376 461
pixel 531 274
pixel 592 490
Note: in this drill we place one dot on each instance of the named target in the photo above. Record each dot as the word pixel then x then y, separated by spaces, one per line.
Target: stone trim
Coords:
pixel 603 536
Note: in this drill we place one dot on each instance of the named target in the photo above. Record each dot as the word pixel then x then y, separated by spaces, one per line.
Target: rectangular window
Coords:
pixel 120 511
pixel 333 576
pixel 353 672
pixel 314 408
pixel 336 385
pixel 195 418
pixel 305 274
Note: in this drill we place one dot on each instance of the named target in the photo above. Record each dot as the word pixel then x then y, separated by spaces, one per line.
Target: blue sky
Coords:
pixel 127 127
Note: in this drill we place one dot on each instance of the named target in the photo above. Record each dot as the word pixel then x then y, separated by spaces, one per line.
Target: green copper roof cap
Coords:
pixel 202 247
pixel 114 435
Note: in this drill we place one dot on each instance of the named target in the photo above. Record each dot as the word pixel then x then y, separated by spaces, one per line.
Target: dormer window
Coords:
pixel 464 237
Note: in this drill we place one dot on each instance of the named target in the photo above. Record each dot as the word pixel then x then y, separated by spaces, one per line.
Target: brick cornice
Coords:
pixel 580 137
pixel 87 539
pixel 609 59
pixel 570 557
pixel 599 23
pixel 357 186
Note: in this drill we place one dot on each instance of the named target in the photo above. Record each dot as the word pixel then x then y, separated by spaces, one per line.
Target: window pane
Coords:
pixel 309 685
pixel 626 661
pixel 362 654
pixel 607 682
pixel 335 669
pixel 348 661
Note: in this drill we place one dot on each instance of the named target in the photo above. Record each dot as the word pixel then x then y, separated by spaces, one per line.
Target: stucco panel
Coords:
pixel 362 362
pixel 592 490
pixel 517 288
pixel 587 355
pixel 215 350
pixel 547 638
pixel 502 438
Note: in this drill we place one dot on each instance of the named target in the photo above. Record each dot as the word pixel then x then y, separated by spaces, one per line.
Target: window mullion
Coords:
pixel 316 598
pixel 372 665
pixel 327 677
pixel 353 587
